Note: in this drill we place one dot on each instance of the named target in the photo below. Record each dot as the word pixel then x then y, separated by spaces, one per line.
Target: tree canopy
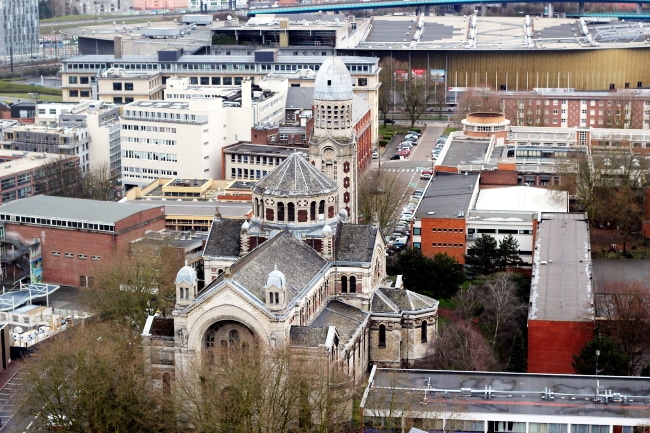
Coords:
pixel 487 256
pixel 601 355
pixel 439 277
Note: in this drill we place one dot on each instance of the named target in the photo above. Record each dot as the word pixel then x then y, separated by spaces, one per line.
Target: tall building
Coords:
pixel 19 30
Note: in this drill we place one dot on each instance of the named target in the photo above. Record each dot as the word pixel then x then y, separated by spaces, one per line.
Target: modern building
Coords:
pixel 19 31
pixel 120 86
pixel 490 402
pixel 561 311
pixel 66 141
pixel 76 235
pixel 173 139
pixel 252 162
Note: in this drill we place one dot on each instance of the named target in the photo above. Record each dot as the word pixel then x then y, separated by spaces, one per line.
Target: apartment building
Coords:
pixel 251 162
pixel 180 139
pixel 627 108
pixel 120 86
pixel 69 141
pixel 20 30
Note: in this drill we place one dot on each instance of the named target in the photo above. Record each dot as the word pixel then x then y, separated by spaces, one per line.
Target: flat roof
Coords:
pixel 263 149
pixel 74 209
pixel 502 396
pixel 233 210
pixel 465 151
pixel 15 161
pixel 447 195
pixel 561 286
pixel 522 198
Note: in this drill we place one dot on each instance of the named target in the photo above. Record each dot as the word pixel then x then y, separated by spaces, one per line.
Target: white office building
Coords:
pixel 19 31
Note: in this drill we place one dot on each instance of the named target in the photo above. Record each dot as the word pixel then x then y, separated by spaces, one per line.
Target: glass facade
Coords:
pixel 19 29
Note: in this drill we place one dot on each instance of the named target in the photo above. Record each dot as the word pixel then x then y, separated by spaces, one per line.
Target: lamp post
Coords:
pixel 597 384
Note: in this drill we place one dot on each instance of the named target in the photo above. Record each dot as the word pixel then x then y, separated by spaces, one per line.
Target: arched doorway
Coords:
pixel 227 336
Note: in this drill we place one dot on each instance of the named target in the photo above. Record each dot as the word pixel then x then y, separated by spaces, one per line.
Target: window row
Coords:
pixel 59 223
pixel 447 229
pixel 446 245
pixel 148 128
pixel 71 256
pixel 150 156
pixel 257 159
pixel 149 171
pixel 153 141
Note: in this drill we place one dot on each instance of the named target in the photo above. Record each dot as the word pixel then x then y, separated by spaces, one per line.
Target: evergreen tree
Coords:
pixel 508 253
pixel 601 356
pixel 518 362
pixel 482 256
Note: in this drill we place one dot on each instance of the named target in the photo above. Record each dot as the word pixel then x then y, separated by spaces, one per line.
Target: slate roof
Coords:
pixel 162 327
pixel 300 98
pixel 355 242
pixel 295 177
pixel 346 318
pixel 388 300
pixel 223 240
pixel 307 336
pixel 296 260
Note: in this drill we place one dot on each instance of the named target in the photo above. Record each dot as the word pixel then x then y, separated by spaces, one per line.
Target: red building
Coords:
pixel 561 313
pixel 76 235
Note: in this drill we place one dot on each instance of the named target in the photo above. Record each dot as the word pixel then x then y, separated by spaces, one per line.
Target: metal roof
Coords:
pixel 11 300
pixel 74 209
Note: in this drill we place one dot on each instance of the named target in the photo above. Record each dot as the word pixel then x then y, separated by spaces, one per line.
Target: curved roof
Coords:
pixel 186 274
pixel 333 81
pixel 295 177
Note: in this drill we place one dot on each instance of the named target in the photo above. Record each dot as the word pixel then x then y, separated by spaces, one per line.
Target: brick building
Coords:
pixel 76 235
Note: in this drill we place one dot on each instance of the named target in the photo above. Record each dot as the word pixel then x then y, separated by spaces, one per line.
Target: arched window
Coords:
pixel 166 383
pixel 312 211
pixel 423 331
pixel 257 207
pixel 382 336
pixel 353 284
pixel 281 212
pixel 344 284
pixel 291 210
pixel 234 336
pixel 321 207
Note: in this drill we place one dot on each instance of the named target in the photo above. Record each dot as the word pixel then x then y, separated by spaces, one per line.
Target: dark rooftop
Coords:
pixel 345 318
pixel 447 195
pixel 355 242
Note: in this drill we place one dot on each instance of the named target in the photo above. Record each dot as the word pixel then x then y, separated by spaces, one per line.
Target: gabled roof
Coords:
pixel 296 260
pixel 223 240
pixel 388 300
pixel 345 318
pixel 307 336
pixel 355 242
pixel 295 177
pixel 300 98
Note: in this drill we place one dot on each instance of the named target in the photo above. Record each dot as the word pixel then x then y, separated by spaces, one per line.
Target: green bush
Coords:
pixel 418 130
pixel 383 142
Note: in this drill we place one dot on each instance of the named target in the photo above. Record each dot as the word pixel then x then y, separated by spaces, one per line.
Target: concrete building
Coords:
pixel 180 139
pixel 22 174
pixel 561 313
pixel 20 30
pixel 490 402
pixel 120 86
pixel 75 235
pixel 252 162
pixel 68 141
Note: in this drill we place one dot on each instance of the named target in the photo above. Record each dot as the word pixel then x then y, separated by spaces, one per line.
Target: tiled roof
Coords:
pixel 346 318
pixel 307 336
pixel 295 177
pixel 296 260
pixel 162 327
pixel 223 240
pixel 387 300
pixel 355 242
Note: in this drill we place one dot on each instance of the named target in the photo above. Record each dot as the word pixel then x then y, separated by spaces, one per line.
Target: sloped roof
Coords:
pixel 307 336
pixel 223 240
pixel 388 300
pixel 355 242
pixel 300 98
pixel 296 260
pixel 346 318
pixel 295 177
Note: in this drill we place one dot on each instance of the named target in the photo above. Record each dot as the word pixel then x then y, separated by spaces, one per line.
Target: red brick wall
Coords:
pixel 59 269
pixel 646 214
pixel 498 177
pixel 552 344
pixel 450 233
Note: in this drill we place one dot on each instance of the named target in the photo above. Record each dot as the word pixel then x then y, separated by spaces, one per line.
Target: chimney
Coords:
pixel 117 47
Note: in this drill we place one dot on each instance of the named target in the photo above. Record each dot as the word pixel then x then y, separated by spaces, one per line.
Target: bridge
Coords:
pixel 338 7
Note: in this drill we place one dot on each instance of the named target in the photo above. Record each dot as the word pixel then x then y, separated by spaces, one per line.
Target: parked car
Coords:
pixel 405 152
pixel 418 193
pixel 411 137
pixel 425 176
pixel 391 121
pixel 396 156
pixel 375 154
pixel 418 134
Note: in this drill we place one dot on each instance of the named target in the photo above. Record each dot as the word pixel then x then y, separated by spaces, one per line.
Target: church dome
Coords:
pixel 186 274
pixel 327 231
pixel 276 278
pixel 295 177
pixel 333 81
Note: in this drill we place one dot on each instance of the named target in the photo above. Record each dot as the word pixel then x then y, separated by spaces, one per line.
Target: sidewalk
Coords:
pixel 12 369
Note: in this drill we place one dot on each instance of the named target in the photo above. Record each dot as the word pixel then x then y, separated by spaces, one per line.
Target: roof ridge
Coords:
pixel 387 300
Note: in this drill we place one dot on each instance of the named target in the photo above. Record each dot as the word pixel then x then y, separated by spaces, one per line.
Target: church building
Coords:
pixel 301 273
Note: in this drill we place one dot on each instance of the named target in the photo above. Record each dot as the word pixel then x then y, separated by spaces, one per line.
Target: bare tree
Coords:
pixel 475 99
pixel 416 94
pixel 61 177
pixel 388 79
pixel 252 390
pixel 460 347
pixel 130 286
pixel 98 183
pixel 624 313
pixel 501 306
pixel 379 196
pixel 90 379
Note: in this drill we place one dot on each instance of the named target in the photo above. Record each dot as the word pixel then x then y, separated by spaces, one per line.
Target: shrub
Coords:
pixel 383 142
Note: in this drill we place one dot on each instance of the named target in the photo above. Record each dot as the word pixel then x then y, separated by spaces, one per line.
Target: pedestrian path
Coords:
pixel 401 170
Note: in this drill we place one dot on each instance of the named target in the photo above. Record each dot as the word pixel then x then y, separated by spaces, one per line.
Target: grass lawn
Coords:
pixel 28 97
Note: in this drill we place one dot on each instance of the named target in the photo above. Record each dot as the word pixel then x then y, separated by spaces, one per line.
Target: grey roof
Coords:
pixel 307 336
pixel 355 242
pixel 345 318
pixel 259 149
pixel 464 151
pixel 447 195
pixel 300 98
pixel 561 286
pixel 295 177
pixel 223 240
pixel 511 394
pixel 75 209
pixel 388 300
pixel 295 259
